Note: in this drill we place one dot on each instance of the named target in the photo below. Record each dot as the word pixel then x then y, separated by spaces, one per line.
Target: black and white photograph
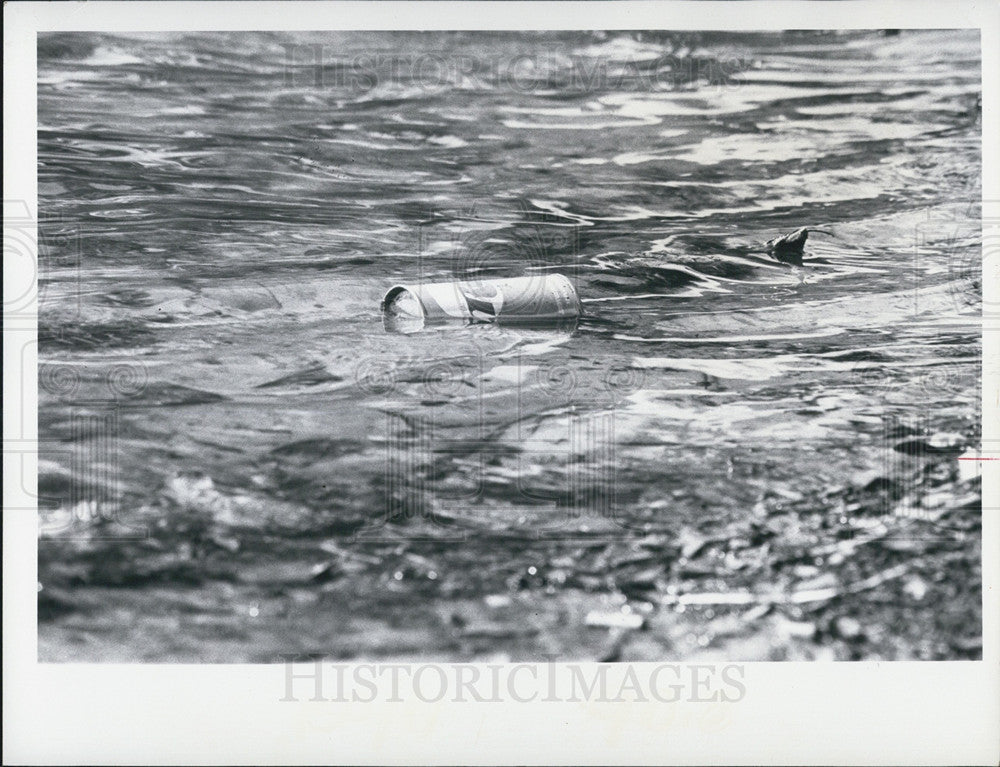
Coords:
pixel 651 348
pixel 671 379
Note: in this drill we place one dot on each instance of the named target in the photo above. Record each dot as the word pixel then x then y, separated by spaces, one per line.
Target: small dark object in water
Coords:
pixel 789 248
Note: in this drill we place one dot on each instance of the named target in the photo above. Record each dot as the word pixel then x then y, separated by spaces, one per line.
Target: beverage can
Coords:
pixel 537 299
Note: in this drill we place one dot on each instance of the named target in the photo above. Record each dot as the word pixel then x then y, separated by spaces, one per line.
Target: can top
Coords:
pixel 400 301
pixel 402 310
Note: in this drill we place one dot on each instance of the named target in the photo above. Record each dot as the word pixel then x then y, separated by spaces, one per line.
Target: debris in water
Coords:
pixel 614 620
pixel 549 299
pixel 789 247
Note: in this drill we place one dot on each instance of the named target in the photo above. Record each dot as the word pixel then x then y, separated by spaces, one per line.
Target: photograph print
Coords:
pixel 509 346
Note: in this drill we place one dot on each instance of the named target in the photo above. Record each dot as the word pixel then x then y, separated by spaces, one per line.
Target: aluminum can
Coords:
pixel 537 300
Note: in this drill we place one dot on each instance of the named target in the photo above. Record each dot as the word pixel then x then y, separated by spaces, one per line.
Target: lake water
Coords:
pixel 240 461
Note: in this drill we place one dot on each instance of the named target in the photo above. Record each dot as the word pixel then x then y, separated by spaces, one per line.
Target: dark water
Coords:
pixel 241 462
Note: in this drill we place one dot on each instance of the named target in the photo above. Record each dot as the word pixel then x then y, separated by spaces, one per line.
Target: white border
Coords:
pixel 846 713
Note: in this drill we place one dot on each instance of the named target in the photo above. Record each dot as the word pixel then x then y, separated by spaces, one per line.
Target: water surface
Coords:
pixel 242 462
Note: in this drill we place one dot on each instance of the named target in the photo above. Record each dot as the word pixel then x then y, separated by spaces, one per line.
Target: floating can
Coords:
pixel 537 300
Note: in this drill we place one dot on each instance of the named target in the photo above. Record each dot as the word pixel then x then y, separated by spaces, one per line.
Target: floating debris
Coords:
pixel 614 620
pixel 540 299
pixel 789 247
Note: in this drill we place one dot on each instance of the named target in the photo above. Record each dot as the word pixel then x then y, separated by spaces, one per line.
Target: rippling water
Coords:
pixel 221 214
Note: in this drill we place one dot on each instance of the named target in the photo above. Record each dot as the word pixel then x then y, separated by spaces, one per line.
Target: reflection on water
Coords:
pixel 222 214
